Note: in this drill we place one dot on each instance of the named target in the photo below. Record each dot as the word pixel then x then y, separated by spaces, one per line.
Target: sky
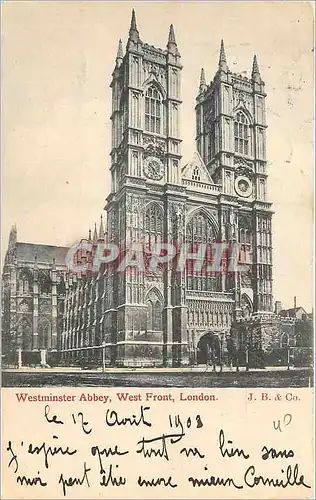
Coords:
pixel 57 61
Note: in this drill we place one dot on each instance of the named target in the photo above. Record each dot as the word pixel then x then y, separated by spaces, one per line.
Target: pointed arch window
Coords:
pixel 245 234
pixel 196 174
pixel 241 133
pixel 154 313
pixel 44 332
pixel 24 285
pixel 24 335
pixel 153 110
pixel 153 224
pixel 44 283
pixel 245 231
pixel 25 281
pixel 199 230
pixel 246 306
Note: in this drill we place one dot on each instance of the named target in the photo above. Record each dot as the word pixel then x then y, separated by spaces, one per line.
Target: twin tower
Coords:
pixel 220 195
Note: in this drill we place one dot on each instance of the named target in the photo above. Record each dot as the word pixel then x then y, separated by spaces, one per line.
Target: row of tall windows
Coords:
pixel 241 134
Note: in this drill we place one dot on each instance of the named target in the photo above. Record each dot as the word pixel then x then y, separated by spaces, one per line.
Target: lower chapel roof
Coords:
pixel 26 252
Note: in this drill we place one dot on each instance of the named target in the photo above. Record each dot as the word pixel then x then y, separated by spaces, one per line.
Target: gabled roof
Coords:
pixel 26 252
pixel 291 313
pixel 197 163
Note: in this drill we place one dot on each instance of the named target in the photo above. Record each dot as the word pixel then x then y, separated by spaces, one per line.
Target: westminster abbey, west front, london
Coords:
pixel 157 317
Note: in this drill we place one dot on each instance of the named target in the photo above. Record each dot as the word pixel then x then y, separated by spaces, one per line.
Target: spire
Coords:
pixel 133 31
pixel 95 234
pixel 171 38
pixel 133 21
pixel 101 230
pixel 222 63
pixel 203 85
pixel 89 237
pixel 172 44
pixel 255 70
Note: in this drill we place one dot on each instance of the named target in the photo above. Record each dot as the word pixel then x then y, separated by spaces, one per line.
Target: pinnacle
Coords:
pixel 202 78
pixel 95 234
pixel 101 229
pixel 222 58
pixel 120 50
pixel 133 31
pixel 133 21
pixel 172 44
pixel 203 85
pixel 255 69
pixel 171 37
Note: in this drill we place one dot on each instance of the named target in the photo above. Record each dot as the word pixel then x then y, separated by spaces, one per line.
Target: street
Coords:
pixel 299 377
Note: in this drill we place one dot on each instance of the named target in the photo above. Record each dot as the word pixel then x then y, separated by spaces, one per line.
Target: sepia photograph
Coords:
pixel 157 199
pixel 157 252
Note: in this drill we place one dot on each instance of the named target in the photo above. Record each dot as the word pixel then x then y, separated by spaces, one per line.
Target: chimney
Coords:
pixel 295 302
pixel 277 307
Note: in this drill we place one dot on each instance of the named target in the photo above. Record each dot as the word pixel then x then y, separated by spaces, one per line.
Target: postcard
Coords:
pixel 157 260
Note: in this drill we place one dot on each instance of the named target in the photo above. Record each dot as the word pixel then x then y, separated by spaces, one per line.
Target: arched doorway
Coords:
pixel 209 349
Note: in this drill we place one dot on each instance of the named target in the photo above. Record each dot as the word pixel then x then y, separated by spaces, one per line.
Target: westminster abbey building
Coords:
pixel 157 317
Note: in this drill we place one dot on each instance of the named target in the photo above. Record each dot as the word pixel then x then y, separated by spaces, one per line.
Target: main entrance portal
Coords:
pixel 209 349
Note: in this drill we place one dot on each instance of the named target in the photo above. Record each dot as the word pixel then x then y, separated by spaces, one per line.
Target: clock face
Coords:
pixel 153 168
pixel 243 186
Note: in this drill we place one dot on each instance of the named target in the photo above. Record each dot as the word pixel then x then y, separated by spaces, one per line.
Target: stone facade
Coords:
pixel 158 318
pixel 33 294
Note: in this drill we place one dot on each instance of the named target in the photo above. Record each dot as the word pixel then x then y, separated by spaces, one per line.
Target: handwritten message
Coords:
pixel 157 443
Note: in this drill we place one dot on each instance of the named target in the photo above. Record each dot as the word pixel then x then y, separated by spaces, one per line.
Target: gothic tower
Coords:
pixel 145 316
pixel 231 139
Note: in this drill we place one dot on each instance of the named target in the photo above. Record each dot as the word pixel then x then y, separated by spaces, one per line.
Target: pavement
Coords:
pixel 191 369
pixel 193 377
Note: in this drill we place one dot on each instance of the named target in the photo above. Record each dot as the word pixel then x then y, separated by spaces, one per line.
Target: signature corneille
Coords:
pixel 289 476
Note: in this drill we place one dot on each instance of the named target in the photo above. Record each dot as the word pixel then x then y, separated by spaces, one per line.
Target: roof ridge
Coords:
pixel 41 244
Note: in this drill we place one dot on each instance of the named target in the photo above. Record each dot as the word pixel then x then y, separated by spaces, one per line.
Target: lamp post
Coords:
pixel 247 343
pixel 103 356
pixel 247 357
pixel 19 357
